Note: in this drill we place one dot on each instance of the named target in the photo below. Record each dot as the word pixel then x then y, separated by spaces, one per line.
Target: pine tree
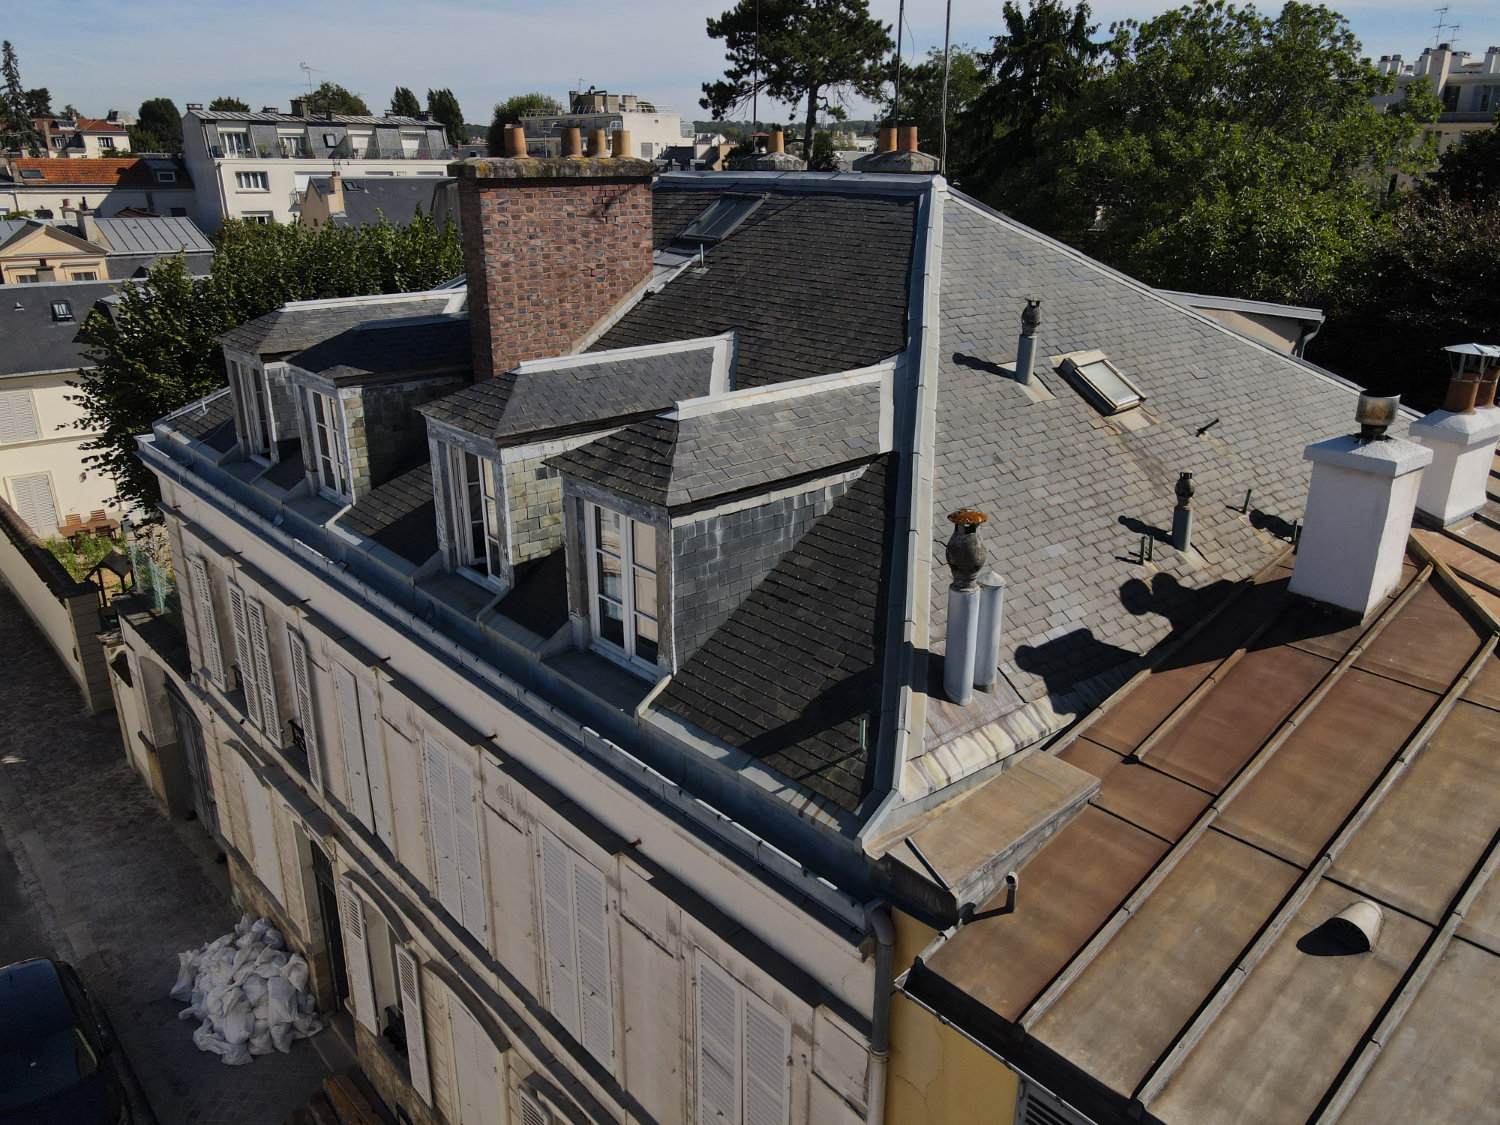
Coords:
pixel 16 124
pixel 444 107
pixel 404 103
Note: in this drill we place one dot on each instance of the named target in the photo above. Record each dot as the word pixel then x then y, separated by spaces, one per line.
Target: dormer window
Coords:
pixel 622 586
pixel 252 408
pixel 476 516
pixel 331 456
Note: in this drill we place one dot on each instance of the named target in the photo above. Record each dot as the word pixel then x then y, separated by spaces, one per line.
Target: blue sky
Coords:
pixel 99 54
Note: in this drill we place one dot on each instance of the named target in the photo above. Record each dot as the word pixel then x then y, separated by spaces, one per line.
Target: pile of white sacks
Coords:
pixel 249 992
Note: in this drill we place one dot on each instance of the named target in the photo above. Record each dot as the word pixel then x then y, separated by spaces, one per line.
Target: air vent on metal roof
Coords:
pixel 1357 926
pixel 720 218
pixel 1101 382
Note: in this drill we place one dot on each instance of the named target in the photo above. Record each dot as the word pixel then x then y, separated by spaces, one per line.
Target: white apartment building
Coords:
pixel 652 131
pixel 1468 86
pixel 256 166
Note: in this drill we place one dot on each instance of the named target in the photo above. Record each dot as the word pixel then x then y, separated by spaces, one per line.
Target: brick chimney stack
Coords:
pixel 551 246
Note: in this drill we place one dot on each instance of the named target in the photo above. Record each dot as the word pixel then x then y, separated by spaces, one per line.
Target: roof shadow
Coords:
pixel 1331 939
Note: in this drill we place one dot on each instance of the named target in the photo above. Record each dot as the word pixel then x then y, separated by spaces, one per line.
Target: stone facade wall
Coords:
pixel 533 494
pixel 718 559
pixel 550 246
pixel 385 431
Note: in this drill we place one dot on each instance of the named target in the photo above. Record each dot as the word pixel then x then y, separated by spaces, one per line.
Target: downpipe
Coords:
pixel 880 1020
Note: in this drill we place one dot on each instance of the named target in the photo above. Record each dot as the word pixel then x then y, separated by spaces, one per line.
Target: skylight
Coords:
pixel 1101 382
pixel 32 174
pixel 62 310
pixel 720 218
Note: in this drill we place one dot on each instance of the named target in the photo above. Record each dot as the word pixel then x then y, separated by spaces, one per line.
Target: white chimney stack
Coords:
pixel 1359 511
pixel 1461 436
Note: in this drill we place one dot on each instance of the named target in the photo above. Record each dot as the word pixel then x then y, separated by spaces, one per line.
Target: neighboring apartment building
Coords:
pixel 1468 87
pixel 573 672
pixel 42 466
pixel 353 201
pixel 84 137
pixel 47 188
pixel 93 249
pixel 651 131
pixel 257 166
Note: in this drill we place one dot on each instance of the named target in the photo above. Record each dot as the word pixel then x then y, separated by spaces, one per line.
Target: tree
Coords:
pixel 404 103
pixel 510 112
pixel 799 51
pixel 228 105
pixel 443 106
pixel 1469 172
pixel 70 110
pixel 922 99
pixel 38 102
pixel 156 353
pixel 330 97
pixel 824 156
pixel 157 128
pixel 17 128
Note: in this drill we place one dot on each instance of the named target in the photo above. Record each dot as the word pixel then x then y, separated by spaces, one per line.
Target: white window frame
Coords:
pixel 575 947
pixel 265 218
pixel 252 181
pixel 476 508
pixel 106 144
pixel 292 144
pixel 252 400
pixel 626 650
pixel 752 1089
pixel 240 146
pixel 330 453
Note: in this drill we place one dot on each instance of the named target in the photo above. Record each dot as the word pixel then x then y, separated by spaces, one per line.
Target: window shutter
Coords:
pixel 718 1046
pixel 416 1033
pixel 355 771
pixel 17 418
pixel 264 676
pixel 596 1013
pixel 243 655
pixel 766 1051
pixel 208 624
pixel 440 821
pixel 557 930
pixel 380 796
pixel 466 840
pixel 532 1112
pixel 302 686
pixel 356 956
pixel 34 503
pixel 262 830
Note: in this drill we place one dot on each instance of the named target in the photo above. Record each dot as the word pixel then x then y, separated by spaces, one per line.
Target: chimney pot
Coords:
pixel 775 141
pixel 598 143
pixel 619 143
pixel 515 142
pixel 299 107
pixel 1375 414
pixel 966 556
pixel 887 141
pixel 1461 438
pixel 572 142
pixel 908 138
pixel 1182 515
pixel 1031 317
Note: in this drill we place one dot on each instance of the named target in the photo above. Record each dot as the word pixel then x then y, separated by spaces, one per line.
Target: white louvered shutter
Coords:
pixel 265 678
pixel 34 504
pixel 302 686
pixel 766 1048
pixel 532 1112
pixel 440 824
pixel 208 623
pixel 557 925
pixel 718 1046
pixel 257 804
pixel 466 845
pixel 244 657
pixel 380 790
pixel 356 773
pixel 18 418
pixel 409 980
pixel 595 1010
pixel 356 956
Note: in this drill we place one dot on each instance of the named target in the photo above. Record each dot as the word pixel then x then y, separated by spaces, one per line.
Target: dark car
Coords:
pixel 53 1050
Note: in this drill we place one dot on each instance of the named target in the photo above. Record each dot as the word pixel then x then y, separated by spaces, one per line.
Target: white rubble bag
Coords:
pixel 249 992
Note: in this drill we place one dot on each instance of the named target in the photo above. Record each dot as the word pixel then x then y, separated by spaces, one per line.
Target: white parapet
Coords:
pixel 1359 510
pixel 1463 450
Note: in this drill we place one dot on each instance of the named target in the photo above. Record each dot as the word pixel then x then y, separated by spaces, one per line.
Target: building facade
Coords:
pixel 48 188
pixel 652 131
pixel 1467 86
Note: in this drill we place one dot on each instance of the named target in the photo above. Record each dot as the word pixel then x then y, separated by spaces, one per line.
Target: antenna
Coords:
pixel 1442 15
pixel 309 71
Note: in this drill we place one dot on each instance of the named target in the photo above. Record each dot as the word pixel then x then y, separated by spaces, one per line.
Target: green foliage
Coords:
pixel 17 129
pixel 83 552
pixel 824 156
pixel 812 52
pixel 157 352
pixel 1469 172
pixel 510 112
pixel 38 102
pixel 404 103
pixel 157 128
pixel 444 108
pixel 330 97
pixel 228 105
pixel 922 99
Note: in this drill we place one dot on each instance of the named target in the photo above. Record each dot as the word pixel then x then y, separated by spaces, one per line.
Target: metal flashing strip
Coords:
pixel 836 183
pixel 635 351
pixel 881 374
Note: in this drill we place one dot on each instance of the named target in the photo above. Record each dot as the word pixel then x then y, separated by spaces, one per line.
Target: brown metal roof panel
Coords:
pixel 1485 690
pixel 1273 1052
pixel 1481 924
pixel 1067 892
pixel 1440 1063
pixel 1136 792
pixel 1126 1008
pixel 1298 800
pixel 1427 644
pixel 1210 743
pixel 1312 630
pixel 1424 838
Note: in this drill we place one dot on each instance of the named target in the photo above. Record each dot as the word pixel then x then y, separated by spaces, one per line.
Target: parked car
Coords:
pixel 54 1050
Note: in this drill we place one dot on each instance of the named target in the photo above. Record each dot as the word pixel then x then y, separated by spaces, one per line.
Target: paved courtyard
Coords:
pixel 96 873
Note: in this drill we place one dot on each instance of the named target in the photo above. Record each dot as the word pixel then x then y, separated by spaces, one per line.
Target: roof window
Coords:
pixel 163 177
pixel 1101 382
pixel 62 310
pixel 721 218
pixel 33 174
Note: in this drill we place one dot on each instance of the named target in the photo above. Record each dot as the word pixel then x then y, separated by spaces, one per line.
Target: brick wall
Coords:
pixel 533 493
pixel 550 247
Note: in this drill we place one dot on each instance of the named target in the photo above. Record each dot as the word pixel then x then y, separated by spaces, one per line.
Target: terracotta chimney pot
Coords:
pixel 572 142
pixel 619 143
pixel 1487 383
pixel 598 143
pixel 887 141
pixel 515 142
pixel 1463 392
pixel 775 142
pixel 907 135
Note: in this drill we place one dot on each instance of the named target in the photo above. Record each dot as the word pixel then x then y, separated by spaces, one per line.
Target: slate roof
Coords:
pixel 1172 945
pixel 163 235
pixel 209 420
pixel 535 397
pixel 670 462
pixel 104 171
pixel 31 340
pixel 1069 495
pixel 295 327
pixel 383 347
pixel 814 284
pixel 788 677
pixel 308 118
pixel 399 515
pixel 394 198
